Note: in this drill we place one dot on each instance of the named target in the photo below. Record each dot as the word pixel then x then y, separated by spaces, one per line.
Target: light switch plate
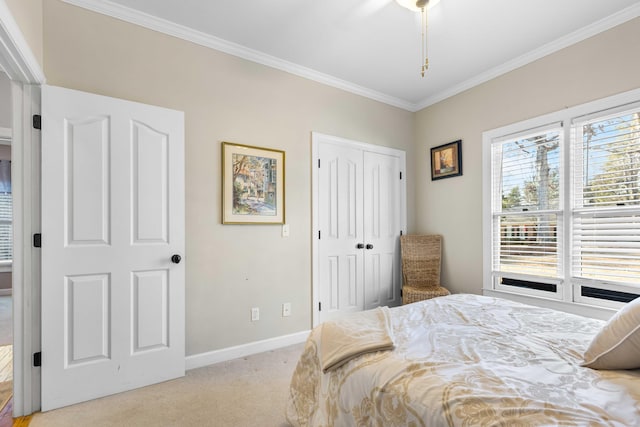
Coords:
pixel 286 309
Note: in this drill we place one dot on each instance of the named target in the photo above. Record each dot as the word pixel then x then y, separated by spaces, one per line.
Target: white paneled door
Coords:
pixel 382 225
pixel 112 242
pixel 359 208
pixel 340 232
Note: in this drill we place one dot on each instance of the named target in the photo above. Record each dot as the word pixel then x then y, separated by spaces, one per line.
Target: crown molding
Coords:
pixel 16 57
pixel 142 19
pixel 584 33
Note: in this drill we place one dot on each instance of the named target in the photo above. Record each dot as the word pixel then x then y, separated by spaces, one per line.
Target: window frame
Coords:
pixel 568 292
pixel 496 200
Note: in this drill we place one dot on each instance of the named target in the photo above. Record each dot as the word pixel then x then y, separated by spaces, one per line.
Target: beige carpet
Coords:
pixel 246 392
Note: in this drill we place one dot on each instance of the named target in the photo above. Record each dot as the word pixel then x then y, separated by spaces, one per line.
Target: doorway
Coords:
pixel 25 76
pixel 359 213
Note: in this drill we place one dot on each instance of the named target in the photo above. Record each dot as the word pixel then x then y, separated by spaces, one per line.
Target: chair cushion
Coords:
pixel 413 293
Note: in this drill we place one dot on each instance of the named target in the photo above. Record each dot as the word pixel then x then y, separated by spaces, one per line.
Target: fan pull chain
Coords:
pixel 425 66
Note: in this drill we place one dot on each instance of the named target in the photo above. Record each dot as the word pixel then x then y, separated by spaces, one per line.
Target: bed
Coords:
pixel 467 360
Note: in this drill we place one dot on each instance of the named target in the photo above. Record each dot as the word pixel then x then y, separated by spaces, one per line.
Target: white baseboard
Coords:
pixel 217 356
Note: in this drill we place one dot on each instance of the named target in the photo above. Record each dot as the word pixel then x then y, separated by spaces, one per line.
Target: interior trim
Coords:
pixel 317 139
pixel 16 57
pixel 602 313
pixel 230 353
pixel 123 13
pixel 597 27
pixel 142 19
pixel 24 71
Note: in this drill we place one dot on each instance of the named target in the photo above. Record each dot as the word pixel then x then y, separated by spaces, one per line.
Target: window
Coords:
pixel 562 204
pixel 6 214
pixel 526 204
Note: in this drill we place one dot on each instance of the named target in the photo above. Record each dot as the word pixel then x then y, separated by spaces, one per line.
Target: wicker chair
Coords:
pixel 421 259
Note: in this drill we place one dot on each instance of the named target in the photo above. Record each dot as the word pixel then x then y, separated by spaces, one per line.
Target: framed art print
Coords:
pixel 446 160
pixel 252 185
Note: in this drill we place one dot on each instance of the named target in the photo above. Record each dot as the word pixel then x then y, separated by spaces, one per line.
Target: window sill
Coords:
pixel 585 310
pixel 6 266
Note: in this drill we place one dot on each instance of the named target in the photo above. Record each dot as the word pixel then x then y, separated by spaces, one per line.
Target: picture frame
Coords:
pixel 253 181
pixel 446 160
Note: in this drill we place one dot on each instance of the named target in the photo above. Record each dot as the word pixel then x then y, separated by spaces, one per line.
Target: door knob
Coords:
pixel 369 246
pixel 176 259
pixel 360 246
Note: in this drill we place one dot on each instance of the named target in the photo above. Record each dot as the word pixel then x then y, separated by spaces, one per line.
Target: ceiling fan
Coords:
pixel 422 7
pixel 413 4
pixel 370 7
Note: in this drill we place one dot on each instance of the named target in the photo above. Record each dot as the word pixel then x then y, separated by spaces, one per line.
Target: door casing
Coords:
pixel 316 140
pixel 22 67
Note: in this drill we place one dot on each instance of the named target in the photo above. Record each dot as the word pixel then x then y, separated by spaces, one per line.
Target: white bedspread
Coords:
pixel 468 360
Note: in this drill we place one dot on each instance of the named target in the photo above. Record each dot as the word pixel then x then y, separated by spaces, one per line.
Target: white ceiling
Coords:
pixel 372 47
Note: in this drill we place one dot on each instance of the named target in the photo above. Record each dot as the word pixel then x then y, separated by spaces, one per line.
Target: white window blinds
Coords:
pixel 606 202
pixel 6 228
pixel 562 204
pixel 526 204
pixel 6 212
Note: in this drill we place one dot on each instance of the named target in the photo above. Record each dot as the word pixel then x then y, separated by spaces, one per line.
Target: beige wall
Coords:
pixel 598 67
pixel 28 15
pixel 233 268
pixel 230 268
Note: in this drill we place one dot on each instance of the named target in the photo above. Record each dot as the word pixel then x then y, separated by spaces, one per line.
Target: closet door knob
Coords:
pixel 369 246
pixel 176 259
pixel 360 246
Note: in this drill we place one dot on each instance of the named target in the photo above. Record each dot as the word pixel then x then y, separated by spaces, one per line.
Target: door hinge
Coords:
pixel 37 359
pixel 37 240
pixel 37 121
pixel 318 163
pixel 401 232
pixel 319 235
pixel 319 306
pixel 400 175
pixel 400 292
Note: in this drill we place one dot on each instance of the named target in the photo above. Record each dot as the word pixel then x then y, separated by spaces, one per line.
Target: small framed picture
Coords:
pixel 252 185
pixel 446 160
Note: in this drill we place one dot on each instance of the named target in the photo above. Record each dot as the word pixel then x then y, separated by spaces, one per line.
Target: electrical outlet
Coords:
pixel 255 314
pixel 286 309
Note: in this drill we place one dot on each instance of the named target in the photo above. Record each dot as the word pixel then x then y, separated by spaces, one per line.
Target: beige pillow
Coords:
pixel 617 345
